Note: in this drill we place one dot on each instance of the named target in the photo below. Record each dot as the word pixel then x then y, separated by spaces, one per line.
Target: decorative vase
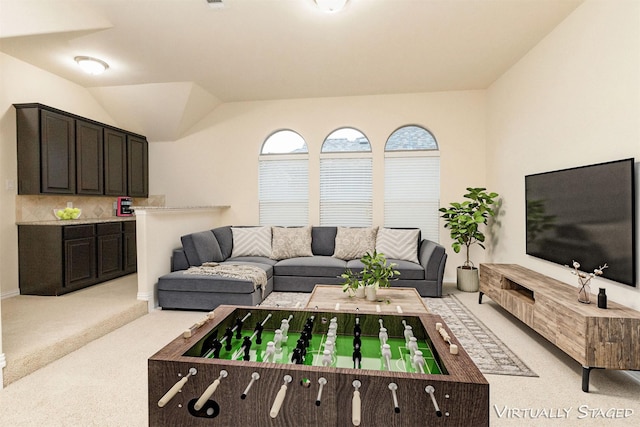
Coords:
pixel 371 293
pixel 584 294
pixel 602 298
pixel 360 292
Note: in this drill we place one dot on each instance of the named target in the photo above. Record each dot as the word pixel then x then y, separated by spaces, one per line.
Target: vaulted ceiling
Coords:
pixel 176 60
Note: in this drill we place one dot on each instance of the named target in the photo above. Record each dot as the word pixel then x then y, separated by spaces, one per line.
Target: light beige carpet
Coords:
pixel 37 330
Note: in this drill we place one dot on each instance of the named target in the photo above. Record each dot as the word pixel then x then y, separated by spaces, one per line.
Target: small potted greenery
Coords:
pixel 464 220
pixel 376 272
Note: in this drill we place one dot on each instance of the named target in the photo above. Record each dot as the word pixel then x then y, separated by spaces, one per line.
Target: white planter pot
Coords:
pixel 360 292
pixel 371 292
pixel 468 279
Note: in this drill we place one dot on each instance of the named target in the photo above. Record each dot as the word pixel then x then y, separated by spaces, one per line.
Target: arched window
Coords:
pixel 284 180
pixel 346 181
pixel 412 181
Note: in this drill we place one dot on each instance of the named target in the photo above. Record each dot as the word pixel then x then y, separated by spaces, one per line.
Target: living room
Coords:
pixel 573 99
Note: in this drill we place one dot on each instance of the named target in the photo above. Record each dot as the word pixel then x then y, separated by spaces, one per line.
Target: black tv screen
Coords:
pixel 586 214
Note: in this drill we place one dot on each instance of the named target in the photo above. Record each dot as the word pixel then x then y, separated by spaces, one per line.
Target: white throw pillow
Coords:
pixel 251 241
pixel 290 242
pixel 398 244
pixel 353 243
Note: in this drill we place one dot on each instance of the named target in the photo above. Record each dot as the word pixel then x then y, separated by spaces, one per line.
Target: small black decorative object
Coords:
pixel 602 298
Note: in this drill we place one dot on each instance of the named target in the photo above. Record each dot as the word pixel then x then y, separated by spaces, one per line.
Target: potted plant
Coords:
pixel 376 272
pixel 464 220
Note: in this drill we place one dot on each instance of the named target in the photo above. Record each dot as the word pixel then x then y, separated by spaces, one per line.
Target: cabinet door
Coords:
pixel 110 256
pixel 58 160
pixel 89 164
pixel 130 252
pixel 115 163
pixel 137 166
pixel 80 262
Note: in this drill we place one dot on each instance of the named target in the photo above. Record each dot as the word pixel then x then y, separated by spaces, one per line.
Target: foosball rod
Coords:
pixel 261 324
pixel 209 391
pixel 429 389
pixel 176 388
pixel 277 403
pixel 254 377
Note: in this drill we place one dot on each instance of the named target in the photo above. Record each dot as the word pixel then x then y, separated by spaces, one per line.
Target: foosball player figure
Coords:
pixel 296 356
pixel 239 323
pixel 228 335
pixel 357 331
pixel 357 342
pixel 357 357
pixel 246 344
pixel 305 338
pixel 258 329
pixel 216 345
pixel 301 346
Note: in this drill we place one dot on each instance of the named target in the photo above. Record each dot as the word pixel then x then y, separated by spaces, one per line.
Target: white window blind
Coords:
pixel 346 192
pixel 412 194
pixel 284 191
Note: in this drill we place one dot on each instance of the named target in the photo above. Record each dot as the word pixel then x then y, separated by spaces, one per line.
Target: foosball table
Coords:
pixel 249 366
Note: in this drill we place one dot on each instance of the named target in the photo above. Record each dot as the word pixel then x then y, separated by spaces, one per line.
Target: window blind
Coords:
pixel 346 192
pixel 412 194
pixel 284 192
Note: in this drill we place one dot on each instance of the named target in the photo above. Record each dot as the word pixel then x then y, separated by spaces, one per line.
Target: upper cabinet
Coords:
pixel 61 153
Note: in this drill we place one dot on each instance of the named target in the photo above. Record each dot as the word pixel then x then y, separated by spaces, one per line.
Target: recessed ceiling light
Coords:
pixel 331 5
pixel 91 65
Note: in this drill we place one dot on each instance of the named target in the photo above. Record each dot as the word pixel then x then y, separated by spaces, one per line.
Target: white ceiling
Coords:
pixel 195 57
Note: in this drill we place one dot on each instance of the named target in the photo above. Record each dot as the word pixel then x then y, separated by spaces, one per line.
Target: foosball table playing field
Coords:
pixel 250 366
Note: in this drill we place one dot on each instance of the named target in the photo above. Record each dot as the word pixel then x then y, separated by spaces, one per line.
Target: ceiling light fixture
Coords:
pixel 91 65
pixel 331 5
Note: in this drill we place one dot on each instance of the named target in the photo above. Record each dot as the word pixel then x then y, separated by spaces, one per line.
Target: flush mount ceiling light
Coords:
pixel 91 65
pixel 331 5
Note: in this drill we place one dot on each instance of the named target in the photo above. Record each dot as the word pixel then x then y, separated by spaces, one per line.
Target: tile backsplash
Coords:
pixel 40 208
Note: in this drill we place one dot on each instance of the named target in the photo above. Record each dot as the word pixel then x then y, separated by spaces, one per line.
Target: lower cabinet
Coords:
pixel 57 259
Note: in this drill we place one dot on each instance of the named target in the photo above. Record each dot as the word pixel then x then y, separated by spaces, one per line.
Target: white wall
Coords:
pixel 217 164
pixel 573 100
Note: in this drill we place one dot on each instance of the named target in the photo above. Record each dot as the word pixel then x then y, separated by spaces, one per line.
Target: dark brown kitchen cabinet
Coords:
pixel 130 255
pixel 137 167
pixel 110 250
pixel 89 158
pixel 115 162
pixel 61 153
pixel 57 259
pixel 46 152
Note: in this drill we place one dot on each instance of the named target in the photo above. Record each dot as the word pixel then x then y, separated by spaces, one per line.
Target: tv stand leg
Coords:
pixel 586 370
pixel 480 297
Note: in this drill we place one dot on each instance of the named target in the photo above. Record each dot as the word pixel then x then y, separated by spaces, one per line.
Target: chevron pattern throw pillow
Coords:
pixel 251 241
pixel 398 244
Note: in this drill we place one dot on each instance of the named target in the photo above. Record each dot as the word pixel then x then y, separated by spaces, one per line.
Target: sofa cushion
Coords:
pixel 353 243
pixel 201 247
pixel 263 262
pixel 290 242
pixel 323 240
pixel 179 281
pixel 396 243
pixel 316 266
pixel 224 236
pixel 251 241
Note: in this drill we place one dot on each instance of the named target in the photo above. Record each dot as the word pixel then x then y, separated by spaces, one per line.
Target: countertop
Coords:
pixel 80 221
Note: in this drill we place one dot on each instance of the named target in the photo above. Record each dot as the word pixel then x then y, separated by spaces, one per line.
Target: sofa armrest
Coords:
pixel 433 258
pixel 179 260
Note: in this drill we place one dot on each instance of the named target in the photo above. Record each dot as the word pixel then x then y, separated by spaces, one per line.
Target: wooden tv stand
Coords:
pixel 594 337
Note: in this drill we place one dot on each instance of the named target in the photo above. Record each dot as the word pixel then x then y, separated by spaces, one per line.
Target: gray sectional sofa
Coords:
pixel 293 259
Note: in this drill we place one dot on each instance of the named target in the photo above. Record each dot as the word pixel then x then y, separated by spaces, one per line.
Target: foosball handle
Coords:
pixel 356 409
pixel 209 391
pixel 322 381
pixel 275 409
pixel 175 389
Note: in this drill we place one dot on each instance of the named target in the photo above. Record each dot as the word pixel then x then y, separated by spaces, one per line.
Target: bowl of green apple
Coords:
pixel 67 213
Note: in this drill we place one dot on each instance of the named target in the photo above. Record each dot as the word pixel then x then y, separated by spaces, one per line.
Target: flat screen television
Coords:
pixel 586 214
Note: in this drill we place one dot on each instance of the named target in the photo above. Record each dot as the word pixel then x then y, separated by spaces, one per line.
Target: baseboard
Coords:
pixel 10 294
